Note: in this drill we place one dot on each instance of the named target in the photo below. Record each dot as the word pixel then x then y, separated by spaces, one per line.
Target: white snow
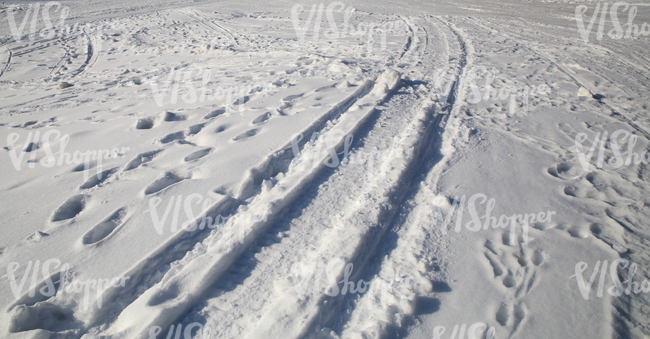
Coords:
pixel 248 169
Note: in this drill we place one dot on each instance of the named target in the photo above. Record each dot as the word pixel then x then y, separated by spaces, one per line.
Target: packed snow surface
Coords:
pixel 277 169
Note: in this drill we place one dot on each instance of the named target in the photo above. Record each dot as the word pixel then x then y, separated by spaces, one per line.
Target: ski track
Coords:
pixel 213 26
pixel 8 62
pixel 91 54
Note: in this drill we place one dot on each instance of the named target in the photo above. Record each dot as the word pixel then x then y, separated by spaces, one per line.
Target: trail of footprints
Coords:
pixel 515 267
pixel 26 306
pixel 76 204
pixel 118 219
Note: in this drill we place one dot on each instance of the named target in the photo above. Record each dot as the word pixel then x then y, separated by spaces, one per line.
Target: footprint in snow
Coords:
pixel 141 159
pixel 161 183
pixel 70 208
pixel 197 155
pixel 246 135
pixel 169 116
pixel 262 118
pixel 105 228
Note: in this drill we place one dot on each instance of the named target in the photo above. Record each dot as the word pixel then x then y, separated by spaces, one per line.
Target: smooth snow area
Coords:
pixel 382 169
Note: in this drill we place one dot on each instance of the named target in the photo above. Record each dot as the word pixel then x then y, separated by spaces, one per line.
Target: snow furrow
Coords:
pixel 91 54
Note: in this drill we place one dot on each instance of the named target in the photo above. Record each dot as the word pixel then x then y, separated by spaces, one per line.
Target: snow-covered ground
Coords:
pixel 248 169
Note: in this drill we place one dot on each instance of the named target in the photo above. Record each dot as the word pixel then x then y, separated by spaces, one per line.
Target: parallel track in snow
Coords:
pixel 403 237
pixel 259 282
pixel 210 24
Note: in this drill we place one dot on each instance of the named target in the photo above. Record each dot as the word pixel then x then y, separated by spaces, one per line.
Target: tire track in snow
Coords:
pixel 312 225
pixel 427 154
pixel 248 265
pixel 305 225
pixel 409 42
pixel 410 231
pixel 323 124
pixel 59 62
pixel 23 52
